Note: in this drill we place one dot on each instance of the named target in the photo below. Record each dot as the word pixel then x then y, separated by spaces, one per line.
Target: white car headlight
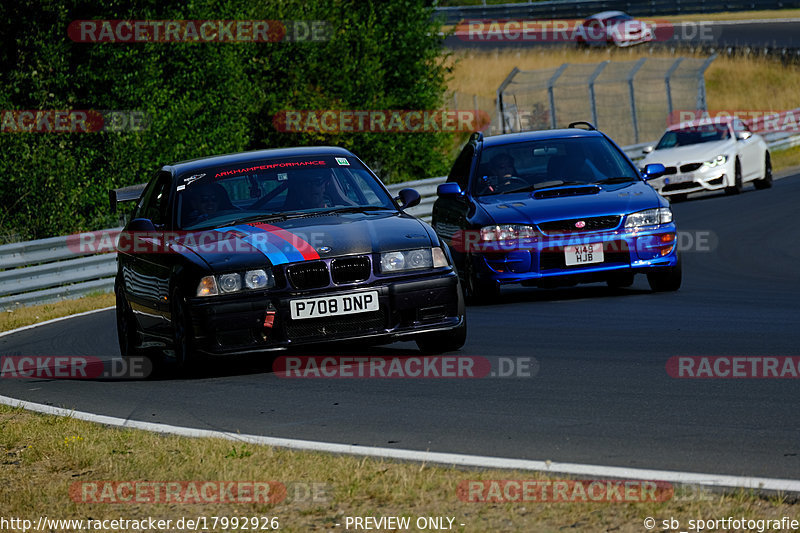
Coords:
pixel 412 259
pixel 259 279
pixel 232 282
pixel 504 232
pixel 716 162
pixel 649 217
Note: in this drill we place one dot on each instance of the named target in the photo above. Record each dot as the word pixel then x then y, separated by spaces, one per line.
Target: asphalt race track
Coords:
pixel 602 394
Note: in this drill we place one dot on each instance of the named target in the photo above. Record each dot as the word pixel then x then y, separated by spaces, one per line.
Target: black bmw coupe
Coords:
pixel 270 249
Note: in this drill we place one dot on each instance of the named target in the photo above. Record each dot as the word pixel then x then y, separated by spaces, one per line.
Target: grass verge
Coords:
pixel 44 456
pixel 25 316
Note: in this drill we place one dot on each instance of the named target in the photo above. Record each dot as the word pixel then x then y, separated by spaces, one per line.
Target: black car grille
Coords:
pixel 614 252
pixel 361 323
pixel 690 167
pixel 590 224
pixel 670 170
pixel 678 186
pixel 350 269
pixel 312 275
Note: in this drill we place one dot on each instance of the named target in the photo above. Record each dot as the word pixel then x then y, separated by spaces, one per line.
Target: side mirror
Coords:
pixel 408 198
pixel 743 135
pixel 653 170
pixel 449 189
pixel 141 225
pixel 648 149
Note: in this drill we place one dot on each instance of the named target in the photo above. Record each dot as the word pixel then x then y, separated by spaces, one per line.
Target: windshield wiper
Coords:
pixel 263 217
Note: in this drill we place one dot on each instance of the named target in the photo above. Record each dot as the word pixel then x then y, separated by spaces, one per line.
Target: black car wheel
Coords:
pixel 667 280
pixel 766 181
pixel 737 181
pixel 126 325
pixel 479 292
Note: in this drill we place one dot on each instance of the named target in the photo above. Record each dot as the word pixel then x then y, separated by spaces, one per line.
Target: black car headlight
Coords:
pixel 420 258
pixel 232 282
pixel 649 217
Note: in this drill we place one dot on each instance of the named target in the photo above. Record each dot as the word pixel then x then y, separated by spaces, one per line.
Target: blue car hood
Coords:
pixel 540 206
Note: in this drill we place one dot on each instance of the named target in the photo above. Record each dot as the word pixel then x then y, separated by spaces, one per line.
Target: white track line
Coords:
pixel 709 480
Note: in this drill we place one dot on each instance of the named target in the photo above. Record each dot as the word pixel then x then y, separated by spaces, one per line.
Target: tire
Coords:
pixel 443 341
pixel 127 334
pixel 184 358
pixel 737 181
pixel 620 281
pixel 766 181
pixel 477 291
pixel 667 280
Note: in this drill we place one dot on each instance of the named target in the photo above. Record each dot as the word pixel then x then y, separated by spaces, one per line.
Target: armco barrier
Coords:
pixel 568 9
pixel 48 270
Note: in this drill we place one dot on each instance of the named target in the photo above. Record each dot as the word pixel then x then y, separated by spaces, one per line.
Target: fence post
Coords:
pixel 550 83
pixel 500 90
pixel 592 101
pixel 701 84
pixel 631 75
pixel 667 77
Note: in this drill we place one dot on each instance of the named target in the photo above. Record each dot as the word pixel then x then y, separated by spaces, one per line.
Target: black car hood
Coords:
pixel 308 238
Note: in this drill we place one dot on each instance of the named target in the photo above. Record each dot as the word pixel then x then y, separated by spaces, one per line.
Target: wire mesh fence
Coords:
pixel 629 100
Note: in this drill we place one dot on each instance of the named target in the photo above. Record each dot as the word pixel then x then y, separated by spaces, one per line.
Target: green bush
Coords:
pixel 202 98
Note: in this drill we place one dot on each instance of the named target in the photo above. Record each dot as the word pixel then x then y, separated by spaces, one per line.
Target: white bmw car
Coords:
pixel 709 155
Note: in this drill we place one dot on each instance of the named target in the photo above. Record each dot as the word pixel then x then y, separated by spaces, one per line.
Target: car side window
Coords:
pixel 155 204
pixel 460 171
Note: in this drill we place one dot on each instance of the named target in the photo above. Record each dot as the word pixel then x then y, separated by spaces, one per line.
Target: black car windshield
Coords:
pixel 288 187
pixel 694 135
pixel 531 165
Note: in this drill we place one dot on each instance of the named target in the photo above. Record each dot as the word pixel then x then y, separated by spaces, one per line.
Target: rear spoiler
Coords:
pixel 125 194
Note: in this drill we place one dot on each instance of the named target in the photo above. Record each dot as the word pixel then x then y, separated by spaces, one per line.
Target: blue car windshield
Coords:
pixel 530 165
pixel 296 186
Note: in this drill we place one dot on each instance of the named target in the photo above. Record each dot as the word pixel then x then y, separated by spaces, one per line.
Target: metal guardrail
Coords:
pixel 49 270
pixel 565 9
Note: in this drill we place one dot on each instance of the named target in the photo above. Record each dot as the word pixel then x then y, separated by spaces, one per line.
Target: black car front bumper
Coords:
pixel 245 323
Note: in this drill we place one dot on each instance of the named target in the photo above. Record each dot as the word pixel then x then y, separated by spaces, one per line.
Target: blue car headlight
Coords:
pixel 648 217
pixel 413 259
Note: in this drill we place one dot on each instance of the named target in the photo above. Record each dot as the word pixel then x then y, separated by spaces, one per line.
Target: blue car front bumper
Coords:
pixel 544 258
